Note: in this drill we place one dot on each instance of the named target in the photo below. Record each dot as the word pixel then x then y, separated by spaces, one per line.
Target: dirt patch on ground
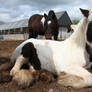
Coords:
pixel 7 85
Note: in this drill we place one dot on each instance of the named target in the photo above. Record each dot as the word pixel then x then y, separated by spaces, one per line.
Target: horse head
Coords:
pixel 88 32
pixel 51 26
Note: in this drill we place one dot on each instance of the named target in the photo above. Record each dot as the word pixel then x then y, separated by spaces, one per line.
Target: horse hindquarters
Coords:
pixel 77 77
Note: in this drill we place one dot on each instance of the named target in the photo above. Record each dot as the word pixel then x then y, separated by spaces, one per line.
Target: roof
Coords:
pixel 14 25
pixel 62 17
pixel 59 14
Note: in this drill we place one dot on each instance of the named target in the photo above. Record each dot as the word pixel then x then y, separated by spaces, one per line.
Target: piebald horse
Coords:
pixel 68 57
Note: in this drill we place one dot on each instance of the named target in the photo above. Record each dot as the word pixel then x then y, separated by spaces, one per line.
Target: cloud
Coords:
pixel 4 17
pixel 14 10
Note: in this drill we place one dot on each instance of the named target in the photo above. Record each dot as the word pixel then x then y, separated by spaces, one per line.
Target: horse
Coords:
pixel 68 59
pixel 43 25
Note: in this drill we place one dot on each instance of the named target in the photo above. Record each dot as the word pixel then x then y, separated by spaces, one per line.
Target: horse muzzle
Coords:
pixel 48 36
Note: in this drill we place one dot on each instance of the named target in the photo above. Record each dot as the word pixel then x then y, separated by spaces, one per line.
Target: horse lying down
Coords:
pixel 68 57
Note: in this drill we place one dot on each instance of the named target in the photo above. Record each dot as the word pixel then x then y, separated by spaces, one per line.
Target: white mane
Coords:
pixel 79 33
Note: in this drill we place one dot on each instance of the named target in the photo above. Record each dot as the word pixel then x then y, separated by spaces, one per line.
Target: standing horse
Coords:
pixel 68 57
pixel 51 26
pixel 43 25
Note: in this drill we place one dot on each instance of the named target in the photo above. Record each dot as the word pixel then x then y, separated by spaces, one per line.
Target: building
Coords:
pixel 15 30
pixel 64 24
pixel 18 29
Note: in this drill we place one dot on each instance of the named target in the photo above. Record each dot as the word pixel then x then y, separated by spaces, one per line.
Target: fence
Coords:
pixel 15 36
pixel 61 36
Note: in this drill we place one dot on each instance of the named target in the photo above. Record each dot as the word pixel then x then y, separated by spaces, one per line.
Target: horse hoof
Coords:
pixel 24 78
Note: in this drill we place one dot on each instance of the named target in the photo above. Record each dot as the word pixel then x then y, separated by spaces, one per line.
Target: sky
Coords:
pixel 14 10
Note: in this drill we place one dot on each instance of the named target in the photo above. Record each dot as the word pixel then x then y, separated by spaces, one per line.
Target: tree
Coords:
pixel 75 22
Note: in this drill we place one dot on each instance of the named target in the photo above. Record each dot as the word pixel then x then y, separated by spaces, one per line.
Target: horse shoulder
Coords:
pixel 18 50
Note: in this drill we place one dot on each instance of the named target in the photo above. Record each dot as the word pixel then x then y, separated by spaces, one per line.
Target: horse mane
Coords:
pixel 53 15
pixel 78 35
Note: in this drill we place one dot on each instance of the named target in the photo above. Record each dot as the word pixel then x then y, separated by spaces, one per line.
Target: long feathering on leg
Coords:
pixel 24 77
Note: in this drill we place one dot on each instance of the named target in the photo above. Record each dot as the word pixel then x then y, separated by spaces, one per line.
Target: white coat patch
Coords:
pixel 43 20
pixel 49 22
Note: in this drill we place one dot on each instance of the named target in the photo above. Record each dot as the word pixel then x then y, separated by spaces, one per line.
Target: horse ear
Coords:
pixel 45 15
pixel 84 12
pixel 52 14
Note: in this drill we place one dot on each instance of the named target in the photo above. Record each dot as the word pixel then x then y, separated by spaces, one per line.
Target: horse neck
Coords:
pixel 78 37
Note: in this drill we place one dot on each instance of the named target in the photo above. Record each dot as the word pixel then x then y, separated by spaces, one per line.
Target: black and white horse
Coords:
pixel 69 56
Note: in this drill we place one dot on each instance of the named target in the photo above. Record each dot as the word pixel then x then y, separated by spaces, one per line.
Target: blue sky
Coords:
pixel 14 10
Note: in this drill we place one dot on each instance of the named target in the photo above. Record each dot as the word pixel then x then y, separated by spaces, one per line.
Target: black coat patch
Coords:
pixel 89 32
pixel 89 51
pixel 29 51
pixel 25 66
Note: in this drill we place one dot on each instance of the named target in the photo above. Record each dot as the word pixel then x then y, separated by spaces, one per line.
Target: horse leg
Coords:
pixel 55 36
pixel 33 34
pixel 30 36
pixel 19 62
pixel 26 77
pixel 77 77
